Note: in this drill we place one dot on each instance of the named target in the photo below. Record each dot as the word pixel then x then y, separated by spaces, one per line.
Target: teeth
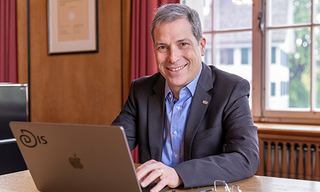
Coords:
pixel 177 69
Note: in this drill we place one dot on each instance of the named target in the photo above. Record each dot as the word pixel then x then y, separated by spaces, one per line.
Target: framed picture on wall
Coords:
pixel 72 26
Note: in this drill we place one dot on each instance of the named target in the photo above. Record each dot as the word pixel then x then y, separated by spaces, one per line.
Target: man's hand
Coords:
pixel 156 171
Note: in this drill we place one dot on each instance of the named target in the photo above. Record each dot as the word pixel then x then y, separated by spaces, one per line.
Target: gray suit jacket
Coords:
pixel 220 138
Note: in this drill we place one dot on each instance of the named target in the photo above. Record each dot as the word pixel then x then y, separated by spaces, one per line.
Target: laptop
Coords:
pixel 71 157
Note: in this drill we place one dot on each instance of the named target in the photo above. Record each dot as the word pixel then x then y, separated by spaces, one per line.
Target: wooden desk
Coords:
pixel 22 182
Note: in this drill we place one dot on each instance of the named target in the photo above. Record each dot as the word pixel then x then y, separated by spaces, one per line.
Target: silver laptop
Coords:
pixel 70 157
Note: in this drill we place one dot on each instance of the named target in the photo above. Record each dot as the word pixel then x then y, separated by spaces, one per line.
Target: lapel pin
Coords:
pixel 205 102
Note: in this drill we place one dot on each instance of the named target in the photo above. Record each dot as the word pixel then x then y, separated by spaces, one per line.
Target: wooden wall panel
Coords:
pixel 76 88
pixel 126 48
pixel 22 41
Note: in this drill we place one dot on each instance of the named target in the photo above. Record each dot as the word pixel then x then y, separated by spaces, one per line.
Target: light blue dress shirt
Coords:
pixel 177 112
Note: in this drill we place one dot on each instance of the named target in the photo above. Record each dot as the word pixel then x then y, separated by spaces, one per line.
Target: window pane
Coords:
pixel 231 46
pixel 226 56
pixel 273 55
pixel 207 15
pixel 244 56
pixel 228 52
pixel 273 89
pixel 317 68
pixel 288 12
pixel 232 14
pixel 291 70
pixel 317 11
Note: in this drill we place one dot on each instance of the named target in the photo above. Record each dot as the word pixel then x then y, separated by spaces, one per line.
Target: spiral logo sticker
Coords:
pixel 30 140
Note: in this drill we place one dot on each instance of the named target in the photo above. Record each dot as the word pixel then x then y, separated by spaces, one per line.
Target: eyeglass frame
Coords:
pixel 226 186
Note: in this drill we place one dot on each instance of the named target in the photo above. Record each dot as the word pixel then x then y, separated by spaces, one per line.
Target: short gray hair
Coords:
pixel 173 12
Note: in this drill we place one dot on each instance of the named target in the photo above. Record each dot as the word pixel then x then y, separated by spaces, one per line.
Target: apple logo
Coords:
pixel 75 162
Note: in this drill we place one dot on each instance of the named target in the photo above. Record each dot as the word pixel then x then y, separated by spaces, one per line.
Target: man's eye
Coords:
pixel 183 45
pixel 161 47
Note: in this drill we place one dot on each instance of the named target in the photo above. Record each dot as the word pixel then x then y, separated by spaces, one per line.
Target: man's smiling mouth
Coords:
pixel 177 69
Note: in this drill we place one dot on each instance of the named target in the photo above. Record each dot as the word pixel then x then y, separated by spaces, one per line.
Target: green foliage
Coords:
pixel 302 11
pixel 299 96
pixel 299 62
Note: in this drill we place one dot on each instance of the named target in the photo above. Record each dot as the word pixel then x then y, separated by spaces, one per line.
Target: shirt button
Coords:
pixel 178 107
pixel 175 132
pixel 175 156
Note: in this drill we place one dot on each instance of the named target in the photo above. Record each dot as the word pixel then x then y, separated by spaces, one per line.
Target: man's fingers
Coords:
pixel 154 171
pixel 148 167
pixel 152 176
pixel 160 185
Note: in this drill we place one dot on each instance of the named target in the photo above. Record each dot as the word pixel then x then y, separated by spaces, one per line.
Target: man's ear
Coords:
pixel 203 42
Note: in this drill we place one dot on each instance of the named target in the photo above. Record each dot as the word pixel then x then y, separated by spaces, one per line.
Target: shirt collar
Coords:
pixel 191 86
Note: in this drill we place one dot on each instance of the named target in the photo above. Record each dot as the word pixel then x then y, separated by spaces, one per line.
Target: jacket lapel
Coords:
pixel 156 112
pixel 198 108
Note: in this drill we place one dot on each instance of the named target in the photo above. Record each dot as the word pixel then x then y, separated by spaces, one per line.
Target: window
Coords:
pixel 284 88
pixel 227 27
pixel 291 29
pixel 284 59
pixel 279 54
pixel 273 89
pixel 226 56
pixel 273 55
pixel 244 56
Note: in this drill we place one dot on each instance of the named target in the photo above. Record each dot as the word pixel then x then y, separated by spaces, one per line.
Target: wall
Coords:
pixel 72 88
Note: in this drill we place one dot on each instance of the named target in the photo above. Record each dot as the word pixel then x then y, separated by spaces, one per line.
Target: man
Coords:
pixel 192 122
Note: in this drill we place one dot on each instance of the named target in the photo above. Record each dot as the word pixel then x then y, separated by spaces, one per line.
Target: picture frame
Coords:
pixel 72 26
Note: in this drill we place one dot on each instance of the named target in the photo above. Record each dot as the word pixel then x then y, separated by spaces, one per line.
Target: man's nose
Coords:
pixel 174 55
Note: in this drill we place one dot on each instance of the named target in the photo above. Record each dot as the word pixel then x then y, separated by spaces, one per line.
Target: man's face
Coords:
pixel 177 52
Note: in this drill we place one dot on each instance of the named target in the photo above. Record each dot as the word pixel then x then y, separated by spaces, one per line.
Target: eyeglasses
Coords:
pixel 217 183
pixel 234 188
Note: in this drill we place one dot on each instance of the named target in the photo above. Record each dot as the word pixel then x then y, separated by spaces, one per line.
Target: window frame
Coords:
pixel 260 56
pixel 282 116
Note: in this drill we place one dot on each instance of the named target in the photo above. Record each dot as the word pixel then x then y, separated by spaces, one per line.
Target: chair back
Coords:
pixel 13 107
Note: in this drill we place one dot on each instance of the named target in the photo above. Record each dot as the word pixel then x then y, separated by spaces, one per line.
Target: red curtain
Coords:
pixel 8 41
pixel 142 56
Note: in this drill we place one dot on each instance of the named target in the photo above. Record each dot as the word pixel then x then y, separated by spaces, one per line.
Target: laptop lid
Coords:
pixel 70 157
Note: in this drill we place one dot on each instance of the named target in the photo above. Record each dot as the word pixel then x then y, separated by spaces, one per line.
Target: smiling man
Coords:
pixel 191 121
